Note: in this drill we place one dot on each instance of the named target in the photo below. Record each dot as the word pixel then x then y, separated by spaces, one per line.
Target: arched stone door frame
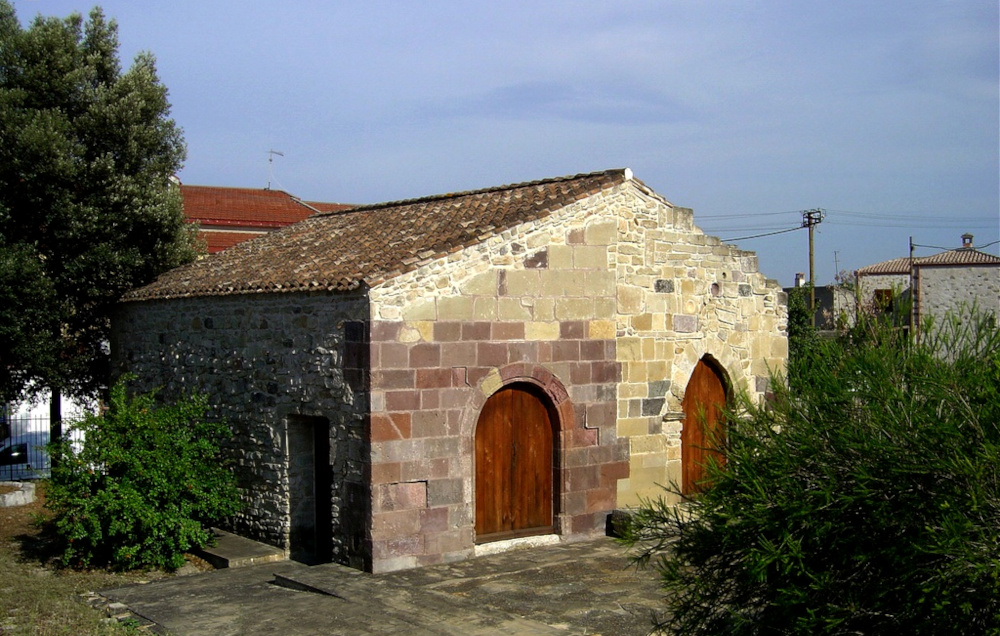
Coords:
pixel 552 391
pixel 701 423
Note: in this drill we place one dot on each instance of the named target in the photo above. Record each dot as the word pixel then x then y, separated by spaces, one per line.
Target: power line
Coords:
pixel 746 238
pixel 952 249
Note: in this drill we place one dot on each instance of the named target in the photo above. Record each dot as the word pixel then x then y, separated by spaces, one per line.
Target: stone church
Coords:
pixel 416 382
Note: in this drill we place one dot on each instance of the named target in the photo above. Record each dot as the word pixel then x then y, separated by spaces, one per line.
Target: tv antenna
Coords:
pixel 270 165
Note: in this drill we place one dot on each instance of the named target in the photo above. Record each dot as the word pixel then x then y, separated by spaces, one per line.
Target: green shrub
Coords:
pixel 143 487
pixel 866 502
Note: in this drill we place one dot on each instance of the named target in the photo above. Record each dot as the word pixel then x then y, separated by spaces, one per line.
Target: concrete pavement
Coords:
pixel 578 588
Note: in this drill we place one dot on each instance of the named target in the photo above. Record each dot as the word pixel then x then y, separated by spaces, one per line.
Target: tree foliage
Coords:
pixel 87 210
pixel 864 501
pixel 143 487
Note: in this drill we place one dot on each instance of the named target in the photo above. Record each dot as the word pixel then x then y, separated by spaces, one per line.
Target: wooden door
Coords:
pixel 514 466
pixel 704 426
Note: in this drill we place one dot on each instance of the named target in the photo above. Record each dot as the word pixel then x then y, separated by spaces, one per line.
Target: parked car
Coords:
pixel 23 457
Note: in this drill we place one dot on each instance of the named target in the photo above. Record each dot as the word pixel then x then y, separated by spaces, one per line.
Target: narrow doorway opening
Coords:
pixel 310 486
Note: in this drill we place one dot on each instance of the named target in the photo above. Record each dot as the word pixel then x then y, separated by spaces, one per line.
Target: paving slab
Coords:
pixel 233 551
pixel 578 588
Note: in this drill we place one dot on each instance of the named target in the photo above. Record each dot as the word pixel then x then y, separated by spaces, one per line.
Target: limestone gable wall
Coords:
pixel 533 305
pixel 683 295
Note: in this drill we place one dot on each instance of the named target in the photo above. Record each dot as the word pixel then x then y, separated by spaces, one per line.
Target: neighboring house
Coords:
pixel 935 285
pixel 227 216
pixel 412 382
pixel 835 305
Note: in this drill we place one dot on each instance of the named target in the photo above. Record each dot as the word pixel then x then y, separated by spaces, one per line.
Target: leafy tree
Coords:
pixel 864 501
pixel 803 339
pixel 87 210
pixel 143 487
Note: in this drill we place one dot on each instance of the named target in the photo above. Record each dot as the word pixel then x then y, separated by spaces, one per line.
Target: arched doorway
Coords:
pixel 704 423
pixel 514 458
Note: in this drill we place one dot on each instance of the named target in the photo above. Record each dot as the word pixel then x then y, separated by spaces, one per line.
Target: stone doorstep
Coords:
pixel 234 551
pixel 25 494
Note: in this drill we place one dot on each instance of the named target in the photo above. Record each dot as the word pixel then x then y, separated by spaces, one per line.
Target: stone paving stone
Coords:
pixel 578 588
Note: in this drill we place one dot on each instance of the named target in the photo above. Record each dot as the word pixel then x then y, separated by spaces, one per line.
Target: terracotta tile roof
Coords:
pixel 366 245
pixel 216 208
pixel 961 256
pixel 894 266
pixel 244 207
pixel 957 257
pixel 217 240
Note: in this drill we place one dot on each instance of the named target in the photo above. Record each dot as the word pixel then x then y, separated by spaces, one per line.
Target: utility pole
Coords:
pixel 810 219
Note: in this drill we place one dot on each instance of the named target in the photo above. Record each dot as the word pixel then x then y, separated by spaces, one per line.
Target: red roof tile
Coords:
pixel 216 241
pixel 962 256
pixel 894 266
pixel 210 205
pixel 214 208
pixel 367 245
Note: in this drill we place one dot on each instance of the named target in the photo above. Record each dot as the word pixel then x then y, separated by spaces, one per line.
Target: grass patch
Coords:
pixel 39 598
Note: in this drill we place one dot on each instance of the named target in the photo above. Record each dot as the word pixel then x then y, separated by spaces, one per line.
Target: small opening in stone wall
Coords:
pixel 715 289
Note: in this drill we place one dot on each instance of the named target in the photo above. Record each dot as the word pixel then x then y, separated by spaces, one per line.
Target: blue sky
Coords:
pixel 885 114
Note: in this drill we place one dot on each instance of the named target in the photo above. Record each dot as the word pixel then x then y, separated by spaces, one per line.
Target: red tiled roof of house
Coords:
pixel 894 266
pixel 218 240
pixel 366 245
pixel 217 209
pixel 242 206
pixel 962 256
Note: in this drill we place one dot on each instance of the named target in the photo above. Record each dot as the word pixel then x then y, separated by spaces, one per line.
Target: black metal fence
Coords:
pixel 22 446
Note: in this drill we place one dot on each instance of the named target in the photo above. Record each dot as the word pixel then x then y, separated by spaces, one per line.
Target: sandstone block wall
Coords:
pixel 533 305
pixel 617 297
pixel 683 295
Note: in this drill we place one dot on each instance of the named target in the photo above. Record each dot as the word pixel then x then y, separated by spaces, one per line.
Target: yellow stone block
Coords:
pixel 574 308
pixel 523 282
pixel 600 283
pixel 630 300
pixel 628 390
pixel 455 308
pixel 590 257
pixel 605 308
pixel 560 257
pixel 639 444
pixel 564 283
pixel 629 348
pixel 632 426
pixel 426 330
pixel 420 310
pixel 492 382
pixel 642 322
pixel 634 372
pixel 649 349
pixel 541 331
pixel 484 308
pixel 484 284
pixel 512 309
pixel 601 330
pixel 601 233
